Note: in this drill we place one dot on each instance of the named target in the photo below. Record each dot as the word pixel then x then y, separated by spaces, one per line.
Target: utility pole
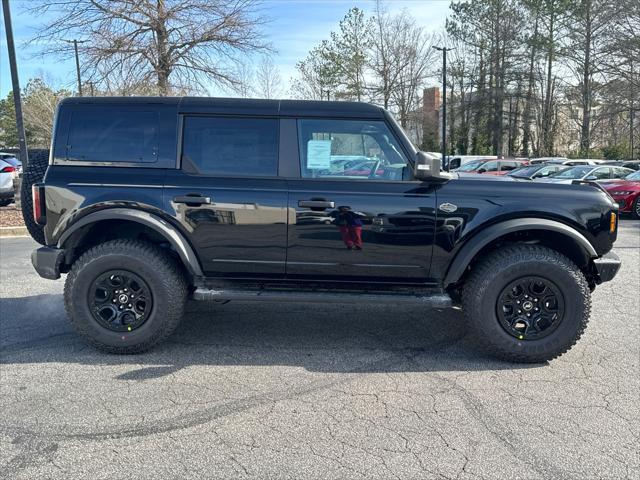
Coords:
pixel 22 139
pixel 75 48
pixel 444 51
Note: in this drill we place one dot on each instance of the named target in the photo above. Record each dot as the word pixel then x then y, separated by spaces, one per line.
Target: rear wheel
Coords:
pixel 125 296
pixel 526 303
pixel 34 173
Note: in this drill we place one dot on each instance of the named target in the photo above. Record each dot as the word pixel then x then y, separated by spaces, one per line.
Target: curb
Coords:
pixel 14 231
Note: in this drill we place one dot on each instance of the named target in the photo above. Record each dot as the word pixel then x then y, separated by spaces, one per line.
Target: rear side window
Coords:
pixel 109 135
pixel 230 146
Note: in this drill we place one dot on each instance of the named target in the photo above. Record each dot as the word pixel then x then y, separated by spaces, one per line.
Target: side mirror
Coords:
pixel 426 167
pixel 591 178
pixel 482 170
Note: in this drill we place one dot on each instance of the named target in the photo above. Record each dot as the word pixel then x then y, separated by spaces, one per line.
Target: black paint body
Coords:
pixel 256 228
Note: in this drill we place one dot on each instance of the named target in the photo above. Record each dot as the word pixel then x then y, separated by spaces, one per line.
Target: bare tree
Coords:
pixel 268 81
pixel 172 44
pixel 413 59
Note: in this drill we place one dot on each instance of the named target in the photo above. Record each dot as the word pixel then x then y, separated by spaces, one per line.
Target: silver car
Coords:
pixel 591 173
pixel 10 167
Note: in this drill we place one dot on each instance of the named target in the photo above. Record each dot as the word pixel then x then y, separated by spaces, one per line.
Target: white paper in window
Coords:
pixel 318 154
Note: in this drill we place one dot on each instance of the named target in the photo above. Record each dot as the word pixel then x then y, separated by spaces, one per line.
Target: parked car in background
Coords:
pixel 632 164
pixel 10 167
pixel 537 171
pixel 535 161
pixel 492 167
pixel 564 161
pixel 587 173
pixel 626 192
pixel 457 161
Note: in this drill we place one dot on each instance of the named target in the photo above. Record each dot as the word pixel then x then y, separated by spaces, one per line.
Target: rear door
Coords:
pixel 227 195
pixel 361 219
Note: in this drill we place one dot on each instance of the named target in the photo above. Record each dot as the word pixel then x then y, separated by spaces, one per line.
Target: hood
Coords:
pixel 619 184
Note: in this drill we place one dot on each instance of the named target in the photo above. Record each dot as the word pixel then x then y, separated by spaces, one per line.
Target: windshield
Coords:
pixel 633 176
pixel 11 161
pixel 573 173
pixel 471 166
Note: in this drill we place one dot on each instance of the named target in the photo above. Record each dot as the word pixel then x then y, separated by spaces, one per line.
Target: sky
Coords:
pixel 295 27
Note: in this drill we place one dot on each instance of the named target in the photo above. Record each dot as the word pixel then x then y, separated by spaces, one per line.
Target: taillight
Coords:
pixel 8 169
pixel 39 211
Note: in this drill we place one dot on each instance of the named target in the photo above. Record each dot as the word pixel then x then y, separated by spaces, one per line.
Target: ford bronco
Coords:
pixel 145 203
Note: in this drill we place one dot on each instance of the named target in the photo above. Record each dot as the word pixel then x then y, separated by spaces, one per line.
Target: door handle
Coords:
pixel 316 204
pixel 192 199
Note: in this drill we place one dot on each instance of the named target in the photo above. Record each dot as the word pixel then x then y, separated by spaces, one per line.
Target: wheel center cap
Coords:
pixel 122 298
pixel 527 305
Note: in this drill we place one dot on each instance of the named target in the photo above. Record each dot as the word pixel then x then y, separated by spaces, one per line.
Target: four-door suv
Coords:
pixel 147 202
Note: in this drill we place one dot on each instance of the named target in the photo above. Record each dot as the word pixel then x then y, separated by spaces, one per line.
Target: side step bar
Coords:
pixel 437 300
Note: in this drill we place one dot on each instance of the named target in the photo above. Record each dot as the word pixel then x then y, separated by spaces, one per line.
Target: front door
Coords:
pixel 358 216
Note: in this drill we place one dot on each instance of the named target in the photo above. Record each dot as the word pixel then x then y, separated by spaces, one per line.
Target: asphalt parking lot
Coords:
pixel 314 391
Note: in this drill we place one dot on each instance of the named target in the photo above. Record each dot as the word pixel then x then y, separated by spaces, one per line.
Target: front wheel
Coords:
pixel 125 296
pixel 635 209
pixel 526 303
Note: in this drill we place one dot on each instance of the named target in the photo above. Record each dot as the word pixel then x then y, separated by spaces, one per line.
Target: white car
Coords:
pixel 10 167
pixel 587 173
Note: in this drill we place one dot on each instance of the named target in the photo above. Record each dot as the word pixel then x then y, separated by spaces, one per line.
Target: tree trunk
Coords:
pixel 546 113
pixel 163 67
pixel 526 123
pixel 585 131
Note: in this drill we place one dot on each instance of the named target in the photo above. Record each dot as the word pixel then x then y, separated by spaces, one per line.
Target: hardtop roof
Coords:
pixel 244 106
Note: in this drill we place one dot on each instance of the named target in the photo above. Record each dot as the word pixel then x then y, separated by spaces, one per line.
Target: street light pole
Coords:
pixel 24 157
pixel 75 48
pixel 444 103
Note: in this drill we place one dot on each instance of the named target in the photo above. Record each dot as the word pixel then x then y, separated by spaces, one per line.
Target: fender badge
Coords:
pixel 448 207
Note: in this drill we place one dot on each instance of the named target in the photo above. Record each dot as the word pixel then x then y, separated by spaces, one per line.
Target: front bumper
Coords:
pixel 47 261
pixel 607 266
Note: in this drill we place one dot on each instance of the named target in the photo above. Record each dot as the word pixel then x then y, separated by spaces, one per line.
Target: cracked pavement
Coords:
pixel 245 390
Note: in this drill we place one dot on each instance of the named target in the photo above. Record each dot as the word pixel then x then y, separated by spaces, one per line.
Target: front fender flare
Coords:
pixel 471 248
pixel 168 231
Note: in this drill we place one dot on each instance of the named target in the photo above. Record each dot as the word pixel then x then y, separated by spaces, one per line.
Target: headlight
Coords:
pixel 621 192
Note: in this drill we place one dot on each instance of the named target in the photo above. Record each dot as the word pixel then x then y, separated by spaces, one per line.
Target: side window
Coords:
pixel 110 135
pixel 509 166
pixel 601 173
pixel 230 146
pixel 489 167
pixel 620 172
pixel 354 149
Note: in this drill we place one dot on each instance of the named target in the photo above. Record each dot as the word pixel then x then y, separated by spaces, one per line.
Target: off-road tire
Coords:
pixel 34 173
pixel 495 272
pixel 156 267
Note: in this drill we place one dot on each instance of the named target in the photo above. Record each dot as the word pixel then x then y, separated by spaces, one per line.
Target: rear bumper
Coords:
pixel 607 267
pixel 47 261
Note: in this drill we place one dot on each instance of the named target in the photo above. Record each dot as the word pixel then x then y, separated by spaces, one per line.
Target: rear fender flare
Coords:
pixel 471 248
pixel 168 231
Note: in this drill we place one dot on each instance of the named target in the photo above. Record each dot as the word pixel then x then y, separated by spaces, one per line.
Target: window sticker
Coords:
pixel 318 154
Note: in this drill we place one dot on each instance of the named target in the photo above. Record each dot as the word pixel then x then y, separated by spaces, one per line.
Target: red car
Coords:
pixel 626 193
pixel 493 167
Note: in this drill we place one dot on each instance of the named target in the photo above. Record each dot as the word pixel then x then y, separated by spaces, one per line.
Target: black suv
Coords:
pixel 147 202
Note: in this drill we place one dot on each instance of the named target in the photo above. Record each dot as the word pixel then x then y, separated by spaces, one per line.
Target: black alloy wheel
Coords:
pixel 120 300
pixel 530 308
